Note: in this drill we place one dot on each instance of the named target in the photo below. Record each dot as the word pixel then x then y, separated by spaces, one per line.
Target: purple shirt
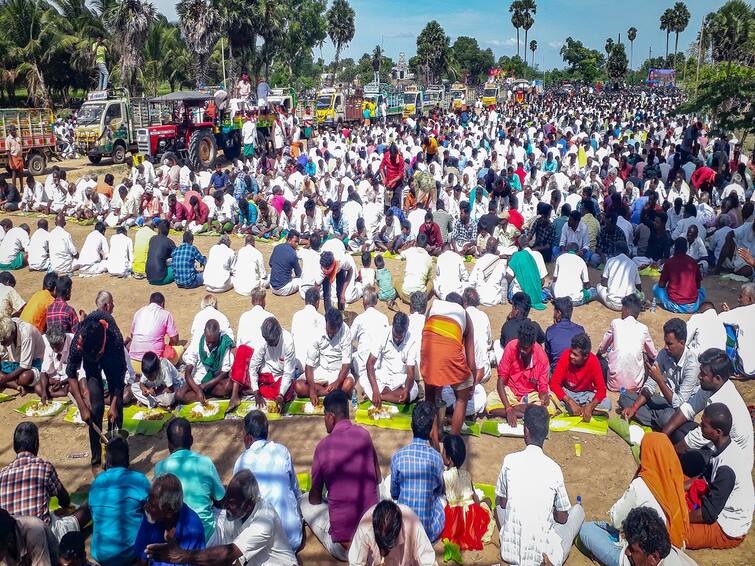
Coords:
pixel 148 330
pixel 344 462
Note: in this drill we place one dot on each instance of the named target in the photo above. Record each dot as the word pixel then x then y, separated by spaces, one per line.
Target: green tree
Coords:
pixel 730 32
pixel 306 29
pixel 533 48
pixel 130 22
pixel 528 9
pixel 340 26
pixel 517 19
pixel 584 64
pixel 616 65
pixel 679 24
pixel 162 47
pixel 631 36
pixel 609 45
pixel 667 24
pixel 239 26
pixel 470 59
pixel 432 51
pixel 199 27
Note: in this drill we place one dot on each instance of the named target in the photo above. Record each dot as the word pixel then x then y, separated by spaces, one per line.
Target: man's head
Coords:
pixel 271 331
pixel 179 434
pixel 526 336
pixel 520 305
pixel 471 297
pixel 399 327
pixel 255 427
pixel 163 228
pixel 292 238
pixel 241 496
pixel 675 337
pixel 580 349
pixel 8 331
pixel 72 550
pixel 211 333
pixel 369 297
pixel 715 369
pixel 680 246
pixel 562 309
pixel 336 408
pixel 647 537
pixel 747 294
pixel 574 219
pixel 26 438
pixel 630 306
pixel 104 301
pixel 386 523
pixel 716 423
pixel 164 501
pixel 157 299
pixel 535 425
pixel 423 418
pixel 312 297
pixel 418 302
pixel 117 454
pixel 333 322
pixel 63 287
pixel 258 297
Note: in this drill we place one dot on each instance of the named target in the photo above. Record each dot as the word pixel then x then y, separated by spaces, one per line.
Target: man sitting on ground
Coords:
pixel 184 260
pixel 208 366
pixel 328 361
pixel 21 356
pixel 283 262
pixel 741 323
pixel 679 287
pixel 151 325
pixel 577 380
pixel 35 309
pixel 620 278
pixel 558 335
pixel 160 270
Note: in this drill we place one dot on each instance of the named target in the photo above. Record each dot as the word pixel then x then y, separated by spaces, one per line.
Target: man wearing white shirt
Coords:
pixel 367 328
pixel 488 276
pixel 250 322
pixel 249 272
pixel 39 254
pixel 209 311
pixel 416 218
pixel 306 325
pixel 483 335
pixel 221 263
pixel 418 270
pixel 94 252
pixel 571 278
pixel 391 366
pixel 62 249
pixel 705 330
pixel 450 274
pixel 121 255
pixel 620 278
pixel 575 232
pixel 311 272
pixel 742 319
pixel 13 248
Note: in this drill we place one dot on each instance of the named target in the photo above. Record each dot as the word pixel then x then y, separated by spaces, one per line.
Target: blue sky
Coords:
pixel 396 23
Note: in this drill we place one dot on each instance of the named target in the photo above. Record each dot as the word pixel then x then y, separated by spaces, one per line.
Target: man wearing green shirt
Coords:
pixel 199 477
pixel 99 61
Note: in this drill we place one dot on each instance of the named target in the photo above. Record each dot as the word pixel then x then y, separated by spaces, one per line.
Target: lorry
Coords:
pixel 491 95
pixel 107 122
pixel 376 95
pixel 413 102
pixel 34 127
pixel 436 96
pixel 459 97
pixel 189 124
pixel 335 107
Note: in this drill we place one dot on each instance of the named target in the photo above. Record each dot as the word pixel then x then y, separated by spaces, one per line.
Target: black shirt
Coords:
pixel 510 330
pixel 111 361
pixel 489 221
pixel 159 250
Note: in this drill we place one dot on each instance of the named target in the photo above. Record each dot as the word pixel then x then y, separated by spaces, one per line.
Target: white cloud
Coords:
pixel 510 42
pixel 401 35
pixel 555 44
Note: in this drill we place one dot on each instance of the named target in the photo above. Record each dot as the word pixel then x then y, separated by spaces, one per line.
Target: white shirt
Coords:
pixel 279 360
pixel 306 325
pixel 416 218
pixel 451 273
pixel 121 254
pixel 261 538
pixel 622 277
pixel 53 364
pixel 201 318
pixel 330 353
pixel 483 339
pixel 14 242
pixel 533 486
pixel 418 268
pixel 570 274
pixel 311 272
pixel 220 264
pixel 39 254
pixel 249 271
pixel 62 251
pixel 744 319
pixel 191 358
pixel 368 328
pixel 638 494
pixel 392 360
pixel 95 248
pixel 579 236
pixel 250 326
pixel 705 330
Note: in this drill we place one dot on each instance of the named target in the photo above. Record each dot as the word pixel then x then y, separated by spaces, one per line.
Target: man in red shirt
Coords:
pixel 434 239
pixel 392 173
pixel 577 380
pixel 522 377
pixel 678 289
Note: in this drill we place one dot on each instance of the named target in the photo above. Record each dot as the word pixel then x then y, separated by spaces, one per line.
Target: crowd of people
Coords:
pixel 478 206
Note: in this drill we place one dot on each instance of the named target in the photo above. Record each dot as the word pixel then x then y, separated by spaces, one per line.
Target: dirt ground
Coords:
pixel 599 475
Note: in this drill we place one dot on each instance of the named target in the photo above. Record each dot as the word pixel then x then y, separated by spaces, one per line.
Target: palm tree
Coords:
pixel 199 27
pixel 239 24
pixel 631 36
pixel 130 21
pixel 533 48
pixel 609 45
pixel 340 27
pixel 667 24
pixel 272 18
pixel 160 52
pixel 517 19
pixel 527 22
pixel 528 9
pixel 680 22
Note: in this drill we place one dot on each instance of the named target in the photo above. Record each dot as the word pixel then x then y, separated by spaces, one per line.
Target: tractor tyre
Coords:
pixel 203 149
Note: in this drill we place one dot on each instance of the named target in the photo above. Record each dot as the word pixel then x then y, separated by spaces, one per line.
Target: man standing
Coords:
pixel 533 512
pixel 15 154
pixel 99 62
pixel 346 463
pixel 392 174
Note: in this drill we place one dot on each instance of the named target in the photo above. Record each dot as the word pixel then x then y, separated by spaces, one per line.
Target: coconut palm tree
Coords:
pixel 340 27
pixel 533 48
pixel 631 36
pixel 679 24
pixel 517 19
pixel 239 25
pixel 609 45
pixel 667 25
pixel 528 9
pixel 130 22
pixel 199 27
pixel 160 51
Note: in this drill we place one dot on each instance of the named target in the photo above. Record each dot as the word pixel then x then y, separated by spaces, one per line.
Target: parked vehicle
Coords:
pixel 413 102
pixel 106 124
pixel 377 94
pixel 491 95
pixel 436 96
pixel 460 96
pixel 34 127
pixel 335 107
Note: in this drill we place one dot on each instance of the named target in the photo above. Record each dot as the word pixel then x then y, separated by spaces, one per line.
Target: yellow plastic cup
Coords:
pixel 578 449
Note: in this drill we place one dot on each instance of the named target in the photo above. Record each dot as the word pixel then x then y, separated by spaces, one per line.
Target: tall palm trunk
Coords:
pixel 676 48
pixel 631 55
pixel 335 65
pixel 526 45
pixel 517 42
pixel 667 34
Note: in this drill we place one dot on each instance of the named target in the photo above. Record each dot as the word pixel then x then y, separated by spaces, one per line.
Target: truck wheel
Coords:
pixel 95 159
pixel 203 150
pixel 36 163
pixel 119 153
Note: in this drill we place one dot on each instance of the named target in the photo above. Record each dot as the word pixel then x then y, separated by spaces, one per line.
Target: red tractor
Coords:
pixel 188 124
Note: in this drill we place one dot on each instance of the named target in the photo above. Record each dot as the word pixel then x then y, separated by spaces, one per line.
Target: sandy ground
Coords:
pixel 600 475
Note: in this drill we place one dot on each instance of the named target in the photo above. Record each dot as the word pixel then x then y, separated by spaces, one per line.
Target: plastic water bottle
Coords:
pixel 354 399
pixel 622 390
pixel 653 305
pixel 579 500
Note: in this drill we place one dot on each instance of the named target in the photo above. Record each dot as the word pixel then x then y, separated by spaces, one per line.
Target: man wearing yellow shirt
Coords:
pixel 141 246
pixel 99 61
pixel 35 310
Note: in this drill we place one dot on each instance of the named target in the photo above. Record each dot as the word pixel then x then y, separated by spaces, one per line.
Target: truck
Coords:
pixel 436 96
pixel 335 107
pixel 107 122
pixel 413 102
pixel 459 96
pixel 189 124
pixel 377 94
pixel 34 127
pixel 491 95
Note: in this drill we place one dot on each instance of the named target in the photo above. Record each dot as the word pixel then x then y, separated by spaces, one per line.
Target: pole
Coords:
pixel 699 54
pixel 222 58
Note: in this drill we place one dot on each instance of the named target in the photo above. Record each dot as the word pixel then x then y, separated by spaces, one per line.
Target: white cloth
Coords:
pixel 488 277
pixel 368 328
pixel 94 250
pixel 278 360
pixel 39 252
pixel 14 242
pixel 220 265
pixel 483 340
pixel 62 251
pixel 249 272
pixel 250 326
pixel 451 275
pixel 744 319
pixel 418 268
pixel 392 362
pixel 327 355
pixel 570 274
pixel 622 277
pixel 121 254
pixel 306 325
pixel 638 494
pixel 705 330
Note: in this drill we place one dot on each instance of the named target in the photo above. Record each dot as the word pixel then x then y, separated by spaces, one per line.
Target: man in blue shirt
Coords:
pixel 166 516
pixel 417 474
pixel 558 336
pixel 219 178
pixel 199 478
pixel 116 499
pixel 283 261
pixel 184 262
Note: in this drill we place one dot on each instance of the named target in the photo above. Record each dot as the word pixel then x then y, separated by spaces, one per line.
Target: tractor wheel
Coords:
pixel 232 147
pixel 35 163
pixel 95 159
pixel 203 150
pixel 119 153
